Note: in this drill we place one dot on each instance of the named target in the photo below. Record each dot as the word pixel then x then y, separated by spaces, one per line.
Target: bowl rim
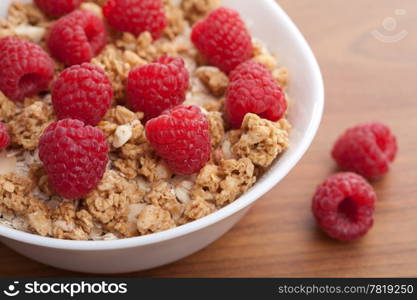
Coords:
pixel 256 192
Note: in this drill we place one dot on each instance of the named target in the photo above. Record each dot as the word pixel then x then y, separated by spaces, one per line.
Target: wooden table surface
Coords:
pixel 366 79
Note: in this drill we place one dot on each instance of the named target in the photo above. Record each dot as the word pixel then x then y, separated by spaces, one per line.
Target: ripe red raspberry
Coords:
pixel 25 68
pixel 77 37
pixel 136 16
pixel 74 156
pixel 82 92
pixel 4 137
pixel 180 136
pixel 252 89
pixel 58 8
pixel 367 149
pixel 223 39
pixel 344 206
pixel 158 86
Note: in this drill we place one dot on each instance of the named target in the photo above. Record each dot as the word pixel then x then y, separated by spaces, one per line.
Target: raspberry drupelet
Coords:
pixel 136 16
pixel 4 137
pixel 155 87
pixel 25 68
pixel 253 89
pixel 82 92
pixel 58 8
pixel 223 39
pixel 180 136
pixel 343 206
pixel 77 37
pixel 74 156
pixel 367 149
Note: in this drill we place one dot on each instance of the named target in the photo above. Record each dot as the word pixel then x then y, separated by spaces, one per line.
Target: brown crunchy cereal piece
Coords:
pixel 175 19
pixel 224 183
pixel 109 202
pixel 213 105
pixel 262 55
pixel 238 178
pixel 40 222
pixel 216 125
pixel 108 129
pixel 261 140
pixel 27 126
pixel 111 61
pixel 128 167
pixel 154 219
pixel 25 13
pixel 140 159
pixel 120 125
pixel 207 183
pixel 68 223
pixel 120 115
pixel 163 195
pixel 7 108
pixel 131 151
pixel 214 79
pixel 15 196
pixel 148 50
pixel 198 209
pixel 195 10
pixel 151 167
pixel 117 64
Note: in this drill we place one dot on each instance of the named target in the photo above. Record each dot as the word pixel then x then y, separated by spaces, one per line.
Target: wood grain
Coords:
pixel 365 79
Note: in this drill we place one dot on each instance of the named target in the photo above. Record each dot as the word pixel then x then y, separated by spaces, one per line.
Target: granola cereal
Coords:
pixel 196 10
pixel 138 194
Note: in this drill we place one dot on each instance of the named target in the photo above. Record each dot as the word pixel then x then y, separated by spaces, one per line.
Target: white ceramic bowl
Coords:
pixel 269 23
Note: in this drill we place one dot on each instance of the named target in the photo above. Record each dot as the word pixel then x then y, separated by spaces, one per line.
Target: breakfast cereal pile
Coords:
pixel 141 184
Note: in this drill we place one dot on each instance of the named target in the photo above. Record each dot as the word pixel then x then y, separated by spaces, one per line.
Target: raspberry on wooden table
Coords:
pixel 74 156
pixel 367 149
pixel 25 68
pixel 58 8
pixel 155 87
pixel 180 136
pixel 4 137
pixel 82 92
pixel 77 37
pixel 343 206
pixel 253 89
pixel 223 39
pixel 136 16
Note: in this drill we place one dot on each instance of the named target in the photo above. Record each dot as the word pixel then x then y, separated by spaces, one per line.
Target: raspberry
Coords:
pixel 4 137
pixel 74 156
pixel 77 37
pixel 136 16
pixel 367 149
pixel 252 89
pixel 223 39
pixel 58 8
pixel 181 137
pixel 25 68
pixel 158 86
pixel 344 206
pixel 82 92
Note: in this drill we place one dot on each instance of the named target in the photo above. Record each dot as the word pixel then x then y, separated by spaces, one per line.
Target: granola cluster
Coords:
pixel 138 194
